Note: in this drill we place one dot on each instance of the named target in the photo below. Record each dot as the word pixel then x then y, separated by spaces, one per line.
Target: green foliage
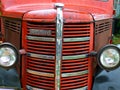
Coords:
pixel 116 38
pixel 118 25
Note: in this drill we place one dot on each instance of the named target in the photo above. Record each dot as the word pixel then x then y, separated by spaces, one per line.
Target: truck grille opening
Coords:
pixel 41 50
pixel 75 70
pixel 40 67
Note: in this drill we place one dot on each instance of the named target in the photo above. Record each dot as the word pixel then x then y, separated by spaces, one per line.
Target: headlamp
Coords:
pixel 8 55
pixel 109 57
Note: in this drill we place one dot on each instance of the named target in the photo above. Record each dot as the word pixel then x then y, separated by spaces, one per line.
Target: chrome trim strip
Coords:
pixel 33 88
pixel 53 39
pixel 59 36
pixel 41 38
pixel 82 88
pixel 78 39
pixel 40 73
pixel 75 57
pixel 41 56
pixel 74 73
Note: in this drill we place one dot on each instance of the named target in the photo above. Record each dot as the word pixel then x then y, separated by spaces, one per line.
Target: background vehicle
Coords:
pixel 53 44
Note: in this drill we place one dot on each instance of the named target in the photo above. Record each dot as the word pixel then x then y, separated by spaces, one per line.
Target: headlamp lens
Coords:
pixel 109 58
pixel 7 57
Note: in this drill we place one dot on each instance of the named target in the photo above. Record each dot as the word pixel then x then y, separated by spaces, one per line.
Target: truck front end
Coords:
pixel 52 46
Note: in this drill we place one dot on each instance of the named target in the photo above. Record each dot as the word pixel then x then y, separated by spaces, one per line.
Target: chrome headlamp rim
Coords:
pixel 101 51
pixel 12 47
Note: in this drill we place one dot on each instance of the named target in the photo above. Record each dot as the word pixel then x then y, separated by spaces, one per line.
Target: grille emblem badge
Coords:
pixel 40 32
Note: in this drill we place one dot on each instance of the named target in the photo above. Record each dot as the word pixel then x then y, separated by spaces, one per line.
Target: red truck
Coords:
pixel 56 44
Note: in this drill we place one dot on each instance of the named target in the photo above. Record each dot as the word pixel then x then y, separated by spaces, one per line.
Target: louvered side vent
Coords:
pixel 12 29
pixel 102 26
pixel 41 55
pixel 75 49
pixel 11 24
pixel 103 31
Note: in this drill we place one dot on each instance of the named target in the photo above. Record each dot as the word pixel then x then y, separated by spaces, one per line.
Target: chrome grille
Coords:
pixel 75 70
pixel 76 30
pixel 42 82
pixel 41 56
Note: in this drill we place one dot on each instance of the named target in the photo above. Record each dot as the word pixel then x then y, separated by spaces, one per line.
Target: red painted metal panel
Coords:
pixel 23 64
pixel 17 8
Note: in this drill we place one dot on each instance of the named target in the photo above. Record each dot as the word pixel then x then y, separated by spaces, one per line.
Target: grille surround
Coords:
pixel 45 65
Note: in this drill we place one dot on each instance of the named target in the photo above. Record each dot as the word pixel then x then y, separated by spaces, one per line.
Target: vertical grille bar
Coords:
pixel 59 36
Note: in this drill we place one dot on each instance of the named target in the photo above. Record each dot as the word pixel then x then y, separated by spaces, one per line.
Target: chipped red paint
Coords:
pixel 38 54
pixel 17 8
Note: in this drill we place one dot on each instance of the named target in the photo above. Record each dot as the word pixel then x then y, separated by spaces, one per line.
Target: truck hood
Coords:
pixel 18 11
pixel 46 12
pixel 49 15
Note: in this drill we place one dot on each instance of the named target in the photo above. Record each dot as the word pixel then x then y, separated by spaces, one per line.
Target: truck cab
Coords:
pixel 56 44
